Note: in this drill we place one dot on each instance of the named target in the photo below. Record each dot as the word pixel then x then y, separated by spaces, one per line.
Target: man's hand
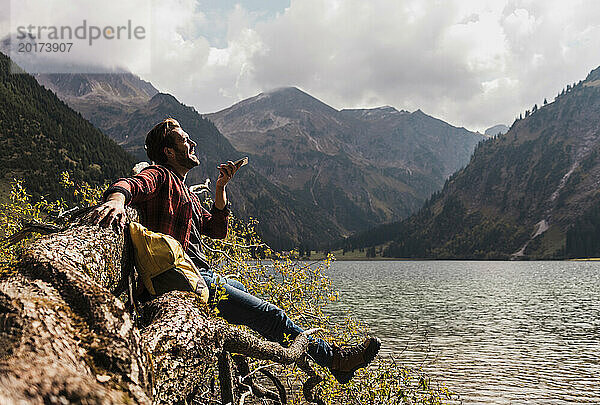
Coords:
pixel 226 172
pixel 112 211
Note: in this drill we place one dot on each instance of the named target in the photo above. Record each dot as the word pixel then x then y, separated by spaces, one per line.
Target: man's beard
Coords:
pixel 184 159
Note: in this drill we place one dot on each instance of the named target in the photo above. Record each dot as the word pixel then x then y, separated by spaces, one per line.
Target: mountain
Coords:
pixel 41 137
pixel 531 193
pixel 415 140
pixel 105 99
pixel 365 166
pixel 123 87
pixel 329 188
pixel 499 129
pixel 125 107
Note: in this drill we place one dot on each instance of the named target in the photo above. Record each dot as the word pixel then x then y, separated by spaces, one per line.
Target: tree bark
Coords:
pixel 64 338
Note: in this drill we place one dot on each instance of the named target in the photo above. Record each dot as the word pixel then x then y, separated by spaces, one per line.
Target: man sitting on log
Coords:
pixel 166 205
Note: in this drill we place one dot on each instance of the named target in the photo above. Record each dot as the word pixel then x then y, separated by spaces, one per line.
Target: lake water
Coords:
pixel 493 332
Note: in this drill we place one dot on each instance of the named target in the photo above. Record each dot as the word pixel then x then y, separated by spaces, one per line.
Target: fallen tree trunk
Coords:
pixel 64 338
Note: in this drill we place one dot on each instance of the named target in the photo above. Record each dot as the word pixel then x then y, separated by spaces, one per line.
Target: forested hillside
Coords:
pixel 531 193
pixel 41 137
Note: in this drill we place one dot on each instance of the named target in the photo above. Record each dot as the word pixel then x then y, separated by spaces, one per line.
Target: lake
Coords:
pixel 493 332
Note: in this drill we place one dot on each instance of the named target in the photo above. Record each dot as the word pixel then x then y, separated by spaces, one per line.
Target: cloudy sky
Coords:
pixel 473 63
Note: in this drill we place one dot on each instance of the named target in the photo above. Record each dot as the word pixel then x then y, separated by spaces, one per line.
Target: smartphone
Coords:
pixel 239 163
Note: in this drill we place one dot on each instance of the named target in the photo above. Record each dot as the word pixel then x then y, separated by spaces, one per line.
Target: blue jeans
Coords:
pixel 270 321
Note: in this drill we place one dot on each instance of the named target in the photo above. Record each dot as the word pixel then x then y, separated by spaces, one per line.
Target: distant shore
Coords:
pixel 361 255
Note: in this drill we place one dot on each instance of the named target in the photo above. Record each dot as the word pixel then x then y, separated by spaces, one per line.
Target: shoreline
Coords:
pixel 345 258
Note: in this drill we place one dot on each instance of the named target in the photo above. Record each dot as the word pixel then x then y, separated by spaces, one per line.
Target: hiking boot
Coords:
pixel 347 360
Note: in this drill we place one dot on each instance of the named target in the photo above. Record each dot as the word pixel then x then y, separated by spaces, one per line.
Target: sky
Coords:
pixel 472 63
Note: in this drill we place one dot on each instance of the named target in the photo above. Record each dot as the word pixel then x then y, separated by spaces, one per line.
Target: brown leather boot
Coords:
pixel 347 360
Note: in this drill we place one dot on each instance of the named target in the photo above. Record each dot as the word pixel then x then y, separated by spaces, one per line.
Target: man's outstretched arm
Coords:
pixel 124 191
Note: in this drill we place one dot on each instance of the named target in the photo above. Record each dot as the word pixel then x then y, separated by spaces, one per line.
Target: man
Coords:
pixel 166 205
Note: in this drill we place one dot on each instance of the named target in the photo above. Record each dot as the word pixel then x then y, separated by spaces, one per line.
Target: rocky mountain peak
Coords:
pixel 531 193
pixel 496 129
pixel 162 99
pixel 387 108
pixel 117 86
pixel 283 100
pixel 286 90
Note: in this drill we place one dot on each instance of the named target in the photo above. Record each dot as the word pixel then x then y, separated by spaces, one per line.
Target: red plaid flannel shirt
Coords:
pixel 165 204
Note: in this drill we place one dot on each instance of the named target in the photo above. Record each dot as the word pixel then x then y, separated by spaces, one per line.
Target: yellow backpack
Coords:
pixel 156 253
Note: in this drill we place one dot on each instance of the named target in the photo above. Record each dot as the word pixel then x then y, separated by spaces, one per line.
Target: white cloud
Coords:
pixel 197 73
pixel 114 35
pixel 472 63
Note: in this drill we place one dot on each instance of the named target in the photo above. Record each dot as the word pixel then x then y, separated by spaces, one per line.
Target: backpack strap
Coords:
pixel 127 278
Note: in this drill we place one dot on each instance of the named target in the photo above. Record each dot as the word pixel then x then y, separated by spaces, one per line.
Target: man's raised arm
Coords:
pixel 226 172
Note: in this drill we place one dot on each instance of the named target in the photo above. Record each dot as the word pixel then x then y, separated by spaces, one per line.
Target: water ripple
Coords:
pixel 494 332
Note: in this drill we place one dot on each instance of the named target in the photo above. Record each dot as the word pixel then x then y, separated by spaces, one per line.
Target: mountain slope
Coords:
pixel 128 117
pixel 521 194
pixel 41 137
pixel 365 166
pixel 415 140
pixel 106 100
